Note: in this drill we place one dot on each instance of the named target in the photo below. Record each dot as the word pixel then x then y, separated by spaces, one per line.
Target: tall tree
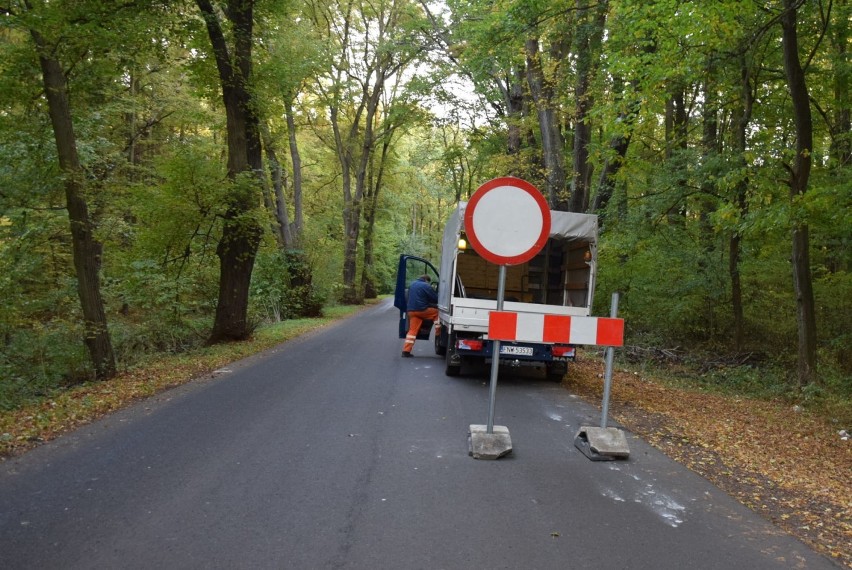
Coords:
pixel 86 248
pixel 397 111
pixel 587 44
pixel 241 232
pixel 742 113
pixel 841 124
pixel 273 198
pixel 296 159
pixel 800 171
pixel 543 94
pixel 618 145
pixel 370 45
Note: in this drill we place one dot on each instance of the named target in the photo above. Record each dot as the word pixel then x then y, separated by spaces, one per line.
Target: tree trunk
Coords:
pixel 512 89
pixel 587 47
pixel 618 146
pixel 352 229
pixel 351 213
pixel 552 142
pixel 799 175
pixel 841 129
pixel 351 293
pixel 273 198
pixel 351 218
pixel 514 113
pixel 676 139
pixel 705 203
pixel 368 284
pixel 741 122
pixel 86 250
pixel 296 159
pixel 240 233
pixel 676 122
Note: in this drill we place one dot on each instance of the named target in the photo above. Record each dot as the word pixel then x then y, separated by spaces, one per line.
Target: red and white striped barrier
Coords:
pixel 529 327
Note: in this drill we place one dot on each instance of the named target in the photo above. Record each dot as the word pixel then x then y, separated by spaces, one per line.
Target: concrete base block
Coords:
pixel 602 444
pixel 484 445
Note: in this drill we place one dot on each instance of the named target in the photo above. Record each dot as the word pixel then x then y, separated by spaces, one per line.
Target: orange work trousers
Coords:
pixel 415 319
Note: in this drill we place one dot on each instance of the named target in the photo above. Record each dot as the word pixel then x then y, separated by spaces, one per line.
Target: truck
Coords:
pixel 559 280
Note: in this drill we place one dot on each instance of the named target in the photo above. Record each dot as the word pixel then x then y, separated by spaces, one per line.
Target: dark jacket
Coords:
pixel 421 296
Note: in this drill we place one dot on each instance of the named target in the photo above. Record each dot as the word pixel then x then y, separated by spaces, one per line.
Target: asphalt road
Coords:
pixel 333 452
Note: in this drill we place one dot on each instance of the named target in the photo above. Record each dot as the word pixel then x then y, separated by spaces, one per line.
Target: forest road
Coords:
pixel 331 451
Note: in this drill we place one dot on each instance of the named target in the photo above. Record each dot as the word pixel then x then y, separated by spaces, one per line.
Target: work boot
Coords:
pixel 406 354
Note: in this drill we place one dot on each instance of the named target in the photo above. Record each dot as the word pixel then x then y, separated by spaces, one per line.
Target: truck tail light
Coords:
pixel 470 344
pixel 562 351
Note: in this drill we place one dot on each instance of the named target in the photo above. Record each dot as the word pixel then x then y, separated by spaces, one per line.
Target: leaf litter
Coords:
pixel 791 467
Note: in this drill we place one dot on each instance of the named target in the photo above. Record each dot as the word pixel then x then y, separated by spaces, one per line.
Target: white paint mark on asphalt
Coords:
pixel 613 495
pixel 665 506
pixel 662 504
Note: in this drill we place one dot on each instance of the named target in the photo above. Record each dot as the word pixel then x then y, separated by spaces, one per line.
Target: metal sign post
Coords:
pixel 604 443
pixel 507 221
pixel 613 312
pixel 495 358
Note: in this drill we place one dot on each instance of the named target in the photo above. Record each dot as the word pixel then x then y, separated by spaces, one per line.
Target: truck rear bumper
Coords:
pixel 511 351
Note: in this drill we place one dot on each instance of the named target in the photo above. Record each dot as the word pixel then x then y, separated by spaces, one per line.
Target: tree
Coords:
pixel 398 110
pixel 87 250
pixel 587 44
pixel 543 95
pixel 241 233
pixel 841 121
pixel 369 44
pixel 800 172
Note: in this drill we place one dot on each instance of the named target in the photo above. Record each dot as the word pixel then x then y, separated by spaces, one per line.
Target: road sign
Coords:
pixel 507 221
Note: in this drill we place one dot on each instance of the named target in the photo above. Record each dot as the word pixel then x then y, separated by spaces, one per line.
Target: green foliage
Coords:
pixel 38 361
pixel 160 311
pixel 39 317
pixel 279 290
pixel 149 121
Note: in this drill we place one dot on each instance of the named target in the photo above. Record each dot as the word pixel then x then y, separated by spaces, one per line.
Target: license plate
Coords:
pixel 516 350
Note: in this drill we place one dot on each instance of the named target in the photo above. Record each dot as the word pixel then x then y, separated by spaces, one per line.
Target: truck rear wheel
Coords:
pixel 453 361
pixel 441 347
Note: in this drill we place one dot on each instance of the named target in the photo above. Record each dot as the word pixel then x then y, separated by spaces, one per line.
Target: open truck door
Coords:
pixel 410 268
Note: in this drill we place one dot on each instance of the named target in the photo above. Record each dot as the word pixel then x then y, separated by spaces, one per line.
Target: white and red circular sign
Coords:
pixel 507 221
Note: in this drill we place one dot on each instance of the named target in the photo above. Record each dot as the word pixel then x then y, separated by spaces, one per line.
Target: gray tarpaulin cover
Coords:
pixel 566 226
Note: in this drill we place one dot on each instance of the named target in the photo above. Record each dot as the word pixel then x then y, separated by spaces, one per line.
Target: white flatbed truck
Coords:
pixel 560 280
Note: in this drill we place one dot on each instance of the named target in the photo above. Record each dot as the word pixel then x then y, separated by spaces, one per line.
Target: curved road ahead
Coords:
pixel 331 451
